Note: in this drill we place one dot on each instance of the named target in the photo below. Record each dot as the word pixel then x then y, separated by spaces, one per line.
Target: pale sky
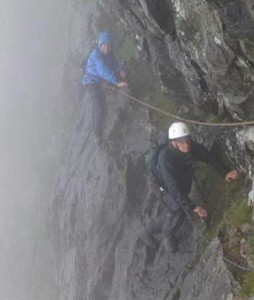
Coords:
pixel 33 50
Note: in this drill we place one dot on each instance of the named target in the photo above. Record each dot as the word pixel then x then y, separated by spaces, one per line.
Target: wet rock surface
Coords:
pixel 103 200
pixel 200 60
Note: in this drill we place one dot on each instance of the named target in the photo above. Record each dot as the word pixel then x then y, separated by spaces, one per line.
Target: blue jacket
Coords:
pixel 101 67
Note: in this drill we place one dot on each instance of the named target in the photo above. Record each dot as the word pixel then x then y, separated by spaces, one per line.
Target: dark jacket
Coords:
pixel 176 171
pixel 101 67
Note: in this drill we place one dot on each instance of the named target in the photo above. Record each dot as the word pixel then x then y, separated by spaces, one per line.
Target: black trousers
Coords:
pixel 167 223
pixel 95 94
pixel 171 219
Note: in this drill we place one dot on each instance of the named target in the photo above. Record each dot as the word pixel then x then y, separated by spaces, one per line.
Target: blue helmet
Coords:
pixel 104 38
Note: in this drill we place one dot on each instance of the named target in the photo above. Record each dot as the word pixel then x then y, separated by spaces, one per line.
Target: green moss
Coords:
pixel 251 241
pixel 230 234
pixel 239 214
pixel 228 211
pixel 218 195
pixel 248 285
pixel 191 28
pixel 163 102
pixel 145 88
pixel 212 118
pixel 127 49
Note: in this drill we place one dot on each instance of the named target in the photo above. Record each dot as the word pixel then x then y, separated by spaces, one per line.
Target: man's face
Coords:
pixel 105 48
pixel 183 146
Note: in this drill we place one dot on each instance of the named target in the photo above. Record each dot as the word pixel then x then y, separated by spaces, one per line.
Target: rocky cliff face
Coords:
pixel 101 204
pixel 201 50
pixel 200 53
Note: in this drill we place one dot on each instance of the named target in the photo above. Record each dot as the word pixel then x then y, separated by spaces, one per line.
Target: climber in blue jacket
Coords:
pixel 102 66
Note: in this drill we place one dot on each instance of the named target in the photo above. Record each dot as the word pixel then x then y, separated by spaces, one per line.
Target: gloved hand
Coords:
pixel 122 84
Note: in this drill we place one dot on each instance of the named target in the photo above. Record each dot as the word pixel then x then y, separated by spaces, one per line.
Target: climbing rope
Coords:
pixel 243 268
pixel 152 107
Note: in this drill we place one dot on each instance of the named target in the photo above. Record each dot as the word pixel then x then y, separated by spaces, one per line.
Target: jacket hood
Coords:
pixel 104 38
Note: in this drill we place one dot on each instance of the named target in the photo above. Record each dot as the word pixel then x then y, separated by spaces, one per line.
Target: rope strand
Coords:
pixel 190 121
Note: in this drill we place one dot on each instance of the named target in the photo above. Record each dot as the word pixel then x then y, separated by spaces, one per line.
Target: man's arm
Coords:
pixel 203 154
pixel 109 74
pixel 119 69
pixel 105 73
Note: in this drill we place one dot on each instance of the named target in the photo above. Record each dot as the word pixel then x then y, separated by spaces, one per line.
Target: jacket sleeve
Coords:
pixel 105 72
pixel 202 154
pixel 176 199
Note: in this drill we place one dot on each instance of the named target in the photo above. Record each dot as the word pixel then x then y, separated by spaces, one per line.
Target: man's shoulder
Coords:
pixel 95 54
pixel 164 154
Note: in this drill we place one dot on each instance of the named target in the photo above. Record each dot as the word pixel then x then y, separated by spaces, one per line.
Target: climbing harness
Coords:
pixel 152 107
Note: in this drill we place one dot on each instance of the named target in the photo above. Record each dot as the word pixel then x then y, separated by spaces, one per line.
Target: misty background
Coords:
pixel 36 116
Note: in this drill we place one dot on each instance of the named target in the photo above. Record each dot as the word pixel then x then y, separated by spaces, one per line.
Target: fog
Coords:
pixel 35 116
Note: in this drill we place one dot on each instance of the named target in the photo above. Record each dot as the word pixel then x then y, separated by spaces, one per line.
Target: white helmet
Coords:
pixel 178 130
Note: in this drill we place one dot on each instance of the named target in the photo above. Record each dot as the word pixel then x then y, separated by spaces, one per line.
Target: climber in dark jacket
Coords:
pixel 175 167
pixel 102 66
